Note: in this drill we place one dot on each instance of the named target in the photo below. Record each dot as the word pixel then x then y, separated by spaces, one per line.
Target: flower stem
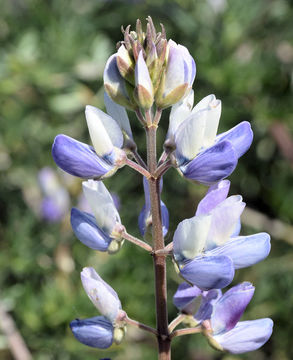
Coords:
pixel 163 168
pixel 186 331
pixel 164 342
pixel 138 159
pixel 136 241
pixel 176 322
pixel 137 168
pixel 140 325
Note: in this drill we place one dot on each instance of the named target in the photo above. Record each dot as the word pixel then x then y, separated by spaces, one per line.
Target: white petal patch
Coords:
pixel 225 217
pixel 213 118
pixel 104 131
pixel 179 113
pixel 190 237
pixel 190 135
pixel 204 103
pixel 102 204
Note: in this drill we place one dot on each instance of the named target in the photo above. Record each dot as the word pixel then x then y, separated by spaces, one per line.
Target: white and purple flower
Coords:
pixel 208 248
pixel 222 313
pixel 200 153
pixel 97 231
pixel 99 161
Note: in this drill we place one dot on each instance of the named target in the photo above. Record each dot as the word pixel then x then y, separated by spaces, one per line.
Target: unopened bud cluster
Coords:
pixel 148 69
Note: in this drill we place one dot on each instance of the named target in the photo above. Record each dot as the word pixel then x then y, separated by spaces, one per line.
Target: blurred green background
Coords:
pixel 52 57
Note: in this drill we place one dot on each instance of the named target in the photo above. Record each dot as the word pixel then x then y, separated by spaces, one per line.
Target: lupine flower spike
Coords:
pixel 146 75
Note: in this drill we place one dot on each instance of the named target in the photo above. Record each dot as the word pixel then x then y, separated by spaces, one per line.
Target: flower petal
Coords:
pixel 212 165
pixel 118 113
pixel 245 250
pixel 180 112
pixel 77 158
pixel 189 136
pixel 209 272
pixel 143 83
pixel 115 84
pixel 187 298
pixel 225 218
pixel 215 195
pixel 230 307
pixel 96 332
pixel 100 293
pixel 209 298
pixel 86 230
pixel 189 64
pixel 240 136
pixel 176 71
pixel 104 131
pixel 190 237
pixel 246 336
pixel 102 205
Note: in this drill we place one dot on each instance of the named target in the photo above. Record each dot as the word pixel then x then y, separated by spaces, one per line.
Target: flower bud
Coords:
pixel 125 64
pixel 144 92
pixel 101 294
pixel 115 86
pixel 178 77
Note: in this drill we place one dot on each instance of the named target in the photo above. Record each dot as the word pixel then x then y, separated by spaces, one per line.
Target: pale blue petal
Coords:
pixel 245 250
pixel 96 332
pixel 240 136
pixel 230 307
pixel 77 158
pixel 212 165
pixel 86 230
pixel 185 296
pixel 209 272
pixel 246 336
pixel 215 195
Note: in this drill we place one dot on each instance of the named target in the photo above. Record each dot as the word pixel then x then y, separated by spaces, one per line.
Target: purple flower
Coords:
pixel 96 232
pixel 207 247
pixel 187 298
pixel 178 78
pixel 82 160
pixel 101 294
pixel 96 332
pixel 193 301
pixel 200 154
pixel 56 201
pixel 223 313
pixel 145 219
pixel 227 333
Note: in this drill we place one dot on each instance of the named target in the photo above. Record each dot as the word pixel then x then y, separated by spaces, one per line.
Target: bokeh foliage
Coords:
pixel 52 57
